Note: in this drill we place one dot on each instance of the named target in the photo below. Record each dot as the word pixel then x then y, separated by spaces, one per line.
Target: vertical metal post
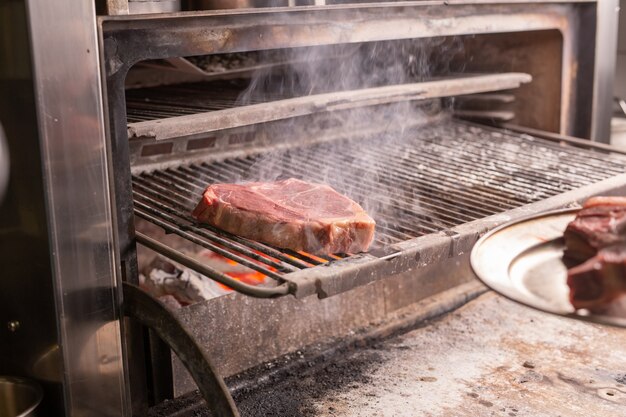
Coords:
pixel 68 99
pixel 604 74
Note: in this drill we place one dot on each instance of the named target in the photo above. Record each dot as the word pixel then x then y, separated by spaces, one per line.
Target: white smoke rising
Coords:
pixel 317 70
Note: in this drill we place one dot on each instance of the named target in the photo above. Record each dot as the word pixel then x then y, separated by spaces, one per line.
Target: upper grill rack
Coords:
pixel 430 179
pixel 169 112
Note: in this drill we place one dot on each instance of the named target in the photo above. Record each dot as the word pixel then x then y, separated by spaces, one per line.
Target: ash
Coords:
pixel 471 362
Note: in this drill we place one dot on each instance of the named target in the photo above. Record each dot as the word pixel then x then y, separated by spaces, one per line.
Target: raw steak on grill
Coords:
pixel 290 214
pixel 596 242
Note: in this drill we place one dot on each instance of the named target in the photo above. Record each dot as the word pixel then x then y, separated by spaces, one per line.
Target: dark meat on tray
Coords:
pixel 289 214
pixel 600 223
pixel 596 243
pixel 599 280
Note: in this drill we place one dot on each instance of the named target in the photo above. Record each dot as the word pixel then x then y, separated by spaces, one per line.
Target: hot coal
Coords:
pixel 176 285
pixel 290 214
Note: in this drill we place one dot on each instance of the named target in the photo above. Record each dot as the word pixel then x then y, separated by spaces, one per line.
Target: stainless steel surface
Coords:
pixel 149 312
pixel 384 307
pixel 522 260
pixel 153 6
pixel 188 117
pixel 19 397
pixel 116 7
pixel 427 180
pixel 604 73
pixel 4 163
pixel 234 4
pixel 24 244
pixel 490 357
pixel 78 204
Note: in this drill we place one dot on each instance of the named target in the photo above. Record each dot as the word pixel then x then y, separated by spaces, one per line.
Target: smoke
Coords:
pixel 359 173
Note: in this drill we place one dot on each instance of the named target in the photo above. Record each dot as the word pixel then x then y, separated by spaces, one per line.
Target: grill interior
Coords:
pixel 177 100
pixel 421 181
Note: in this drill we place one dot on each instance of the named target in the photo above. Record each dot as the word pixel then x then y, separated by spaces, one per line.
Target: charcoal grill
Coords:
pixel 434 184
pixel 121 152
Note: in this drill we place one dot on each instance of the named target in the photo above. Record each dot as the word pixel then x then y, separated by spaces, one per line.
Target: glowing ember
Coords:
pixel 234 270
pixel 177 286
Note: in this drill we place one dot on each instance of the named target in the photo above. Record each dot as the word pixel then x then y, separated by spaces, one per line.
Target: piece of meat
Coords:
pixel 600 280
pixel 597 225
pixel 290 214
pixel 595 242
pixel 605 201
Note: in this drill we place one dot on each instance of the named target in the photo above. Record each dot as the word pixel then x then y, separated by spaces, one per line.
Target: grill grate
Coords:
pixel 176 100
pixel 433 178
pixel 173 111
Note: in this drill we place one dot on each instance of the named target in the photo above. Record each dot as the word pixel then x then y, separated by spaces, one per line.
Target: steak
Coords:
pixel 600 223
pixel 600 280
pixel 290 214
pixel 595 242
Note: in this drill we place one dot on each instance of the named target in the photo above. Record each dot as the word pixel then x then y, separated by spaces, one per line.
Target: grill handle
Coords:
pixel 148 311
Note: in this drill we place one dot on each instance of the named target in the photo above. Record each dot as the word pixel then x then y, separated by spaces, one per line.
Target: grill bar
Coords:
pixel 297 171
pixel 425 199
pixel 172 228
pixel 176 209
pixel 402 203
pixel 214 234
pixel 385 232
pixel 261 292
pixel 416 183
pixel 169 224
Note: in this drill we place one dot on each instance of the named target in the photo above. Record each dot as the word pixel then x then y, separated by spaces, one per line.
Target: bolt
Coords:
pixel 13 326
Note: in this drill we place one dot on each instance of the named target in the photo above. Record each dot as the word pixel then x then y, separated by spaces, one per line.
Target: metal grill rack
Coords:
pixel 428 180
pixel 176 100
pixel 170 112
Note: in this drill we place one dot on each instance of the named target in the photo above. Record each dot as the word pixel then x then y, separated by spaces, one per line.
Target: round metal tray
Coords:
pixel 521 260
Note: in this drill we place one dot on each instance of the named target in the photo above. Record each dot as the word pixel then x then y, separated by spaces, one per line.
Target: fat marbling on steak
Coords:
pixel 289 214
pixel 595 242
